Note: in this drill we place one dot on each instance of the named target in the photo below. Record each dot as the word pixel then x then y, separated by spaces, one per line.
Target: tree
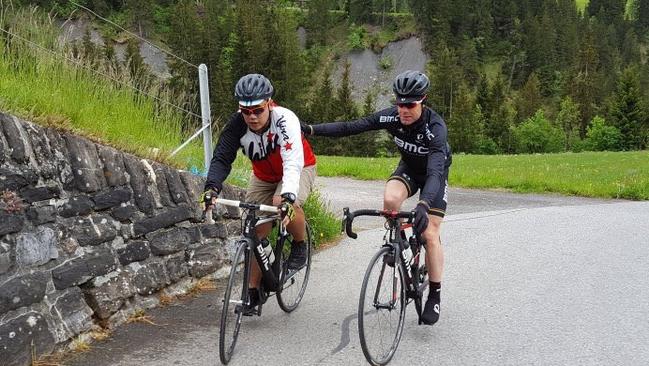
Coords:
pixel 138 70
pixel 529 99
pixel 627 112
pixel 642 16
pixel 318 21
pixel 345 106
pixel 568 119
pixel 608 11
pixel 586 81
pixel 445 75
pixel 464 129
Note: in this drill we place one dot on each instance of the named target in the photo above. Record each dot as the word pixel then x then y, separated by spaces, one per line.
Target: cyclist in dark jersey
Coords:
pixel 420 135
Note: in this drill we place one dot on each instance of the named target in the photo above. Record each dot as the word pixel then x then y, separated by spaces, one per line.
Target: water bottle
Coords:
pixel 268 250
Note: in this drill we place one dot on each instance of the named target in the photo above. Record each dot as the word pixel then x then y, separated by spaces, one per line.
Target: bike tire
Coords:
pixel 292 289
pixel 236 294
pixel 395 277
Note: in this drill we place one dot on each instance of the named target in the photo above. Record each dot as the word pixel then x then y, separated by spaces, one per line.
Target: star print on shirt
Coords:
pixel 288 146
pixel 270 136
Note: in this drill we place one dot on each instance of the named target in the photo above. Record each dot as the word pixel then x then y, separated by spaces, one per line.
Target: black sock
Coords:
pixel 434 290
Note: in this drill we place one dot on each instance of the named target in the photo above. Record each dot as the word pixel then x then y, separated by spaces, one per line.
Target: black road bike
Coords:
pixel 393 279
pixel 277 279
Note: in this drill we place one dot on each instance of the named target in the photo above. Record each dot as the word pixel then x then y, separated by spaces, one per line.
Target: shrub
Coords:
pixel 537 135
pixel 600 136
pixel 356 37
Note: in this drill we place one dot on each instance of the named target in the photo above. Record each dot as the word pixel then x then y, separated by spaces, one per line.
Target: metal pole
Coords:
pixel 206 114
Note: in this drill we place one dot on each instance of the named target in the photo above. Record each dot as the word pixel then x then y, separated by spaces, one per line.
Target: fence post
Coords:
pixel 206 115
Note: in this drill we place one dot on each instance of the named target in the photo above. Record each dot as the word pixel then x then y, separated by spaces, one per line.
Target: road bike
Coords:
pixel 395 277
pixel 277 279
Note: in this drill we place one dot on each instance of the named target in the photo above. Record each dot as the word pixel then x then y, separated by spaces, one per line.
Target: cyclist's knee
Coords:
pixel 393 200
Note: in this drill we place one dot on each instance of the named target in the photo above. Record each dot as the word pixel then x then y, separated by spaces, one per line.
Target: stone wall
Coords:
pixel 89 234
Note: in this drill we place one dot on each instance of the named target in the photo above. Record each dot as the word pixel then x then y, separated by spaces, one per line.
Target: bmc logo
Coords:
pixel 409 147
pixel 383 119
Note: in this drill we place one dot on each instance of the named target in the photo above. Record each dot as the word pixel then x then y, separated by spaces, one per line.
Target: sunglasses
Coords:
pixel 256 110
pixel 409 105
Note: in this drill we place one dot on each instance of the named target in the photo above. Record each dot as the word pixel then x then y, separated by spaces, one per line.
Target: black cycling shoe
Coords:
pixel 430 315
pixel 297 258
pixel 253 295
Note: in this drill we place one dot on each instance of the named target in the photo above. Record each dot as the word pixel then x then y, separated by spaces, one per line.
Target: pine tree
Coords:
pixel 529 98
pixel 138 70
pixel 585 82
pixel 627 112
pixel 568 119
pixel 463 129
pixel 345 106
pixel 642 16
pixel 445 75
pixel 607 11
pixel 318 21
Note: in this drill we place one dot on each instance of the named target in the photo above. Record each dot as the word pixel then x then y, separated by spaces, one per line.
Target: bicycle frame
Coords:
pixel 396 241
pixel 270 272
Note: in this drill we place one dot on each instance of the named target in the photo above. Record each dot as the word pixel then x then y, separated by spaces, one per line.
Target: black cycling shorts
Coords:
pixel 415 182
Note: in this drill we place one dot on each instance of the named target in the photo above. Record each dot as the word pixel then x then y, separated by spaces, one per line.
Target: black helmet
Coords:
pixel 410 86
pixel 252 89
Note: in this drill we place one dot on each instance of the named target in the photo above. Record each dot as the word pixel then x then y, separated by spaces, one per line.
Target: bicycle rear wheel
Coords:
pixel 294 282
pixel 236 295
pixel 382 308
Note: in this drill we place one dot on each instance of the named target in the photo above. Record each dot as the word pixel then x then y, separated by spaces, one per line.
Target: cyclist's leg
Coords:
pixel 297 227
pixel 399 187
pixel 435 253
pixel 259 192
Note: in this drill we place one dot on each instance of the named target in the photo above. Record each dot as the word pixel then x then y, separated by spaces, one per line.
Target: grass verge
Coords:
pixel 588 174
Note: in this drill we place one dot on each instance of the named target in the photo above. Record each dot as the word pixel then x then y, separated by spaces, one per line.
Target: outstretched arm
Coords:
pixel 224 154
pixel 340 129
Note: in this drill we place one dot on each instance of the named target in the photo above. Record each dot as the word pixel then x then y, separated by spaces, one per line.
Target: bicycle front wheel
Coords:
pixel 235 297
pixel 294 282
pixel 382 307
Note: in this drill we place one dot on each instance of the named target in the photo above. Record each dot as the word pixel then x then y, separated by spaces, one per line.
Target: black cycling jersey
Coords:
pixel 423 145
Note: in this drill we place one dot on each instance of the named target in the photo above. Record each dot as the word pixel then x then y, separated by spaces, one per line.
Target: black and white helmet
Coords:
pixel 253 89
pixel 410 86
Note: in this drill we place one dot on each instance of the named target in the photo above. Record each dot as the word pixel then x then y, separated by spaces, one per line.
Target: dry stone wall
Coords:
pixel 89 234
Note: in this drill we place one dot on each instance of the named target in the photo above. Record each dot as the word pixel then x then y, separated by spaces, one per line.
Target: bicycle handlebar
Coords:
pixel 252 206
pixel 207 212
pixel 348 217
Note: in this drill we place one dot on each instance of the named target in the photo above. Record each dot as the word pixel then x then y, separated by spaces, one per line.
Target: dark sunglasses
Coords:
pixel 409 105
pixel 257 109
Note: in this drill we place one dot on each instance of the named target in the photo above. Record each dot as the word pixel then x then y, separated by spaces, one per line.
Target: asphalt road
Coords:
pixel 529 280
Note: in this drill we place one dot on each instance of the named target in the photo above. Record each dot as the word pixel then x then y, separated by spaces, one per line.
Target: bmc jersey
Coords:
pixel 422 145
pixel 278 154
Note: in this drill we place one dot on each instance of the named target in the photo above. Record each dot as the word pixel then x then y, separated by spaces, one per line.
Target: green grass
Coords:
pixel 588 174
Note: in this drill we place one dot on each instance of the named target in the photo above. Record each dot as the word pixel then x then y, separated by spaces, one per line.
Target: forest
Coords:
pixel 508 76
